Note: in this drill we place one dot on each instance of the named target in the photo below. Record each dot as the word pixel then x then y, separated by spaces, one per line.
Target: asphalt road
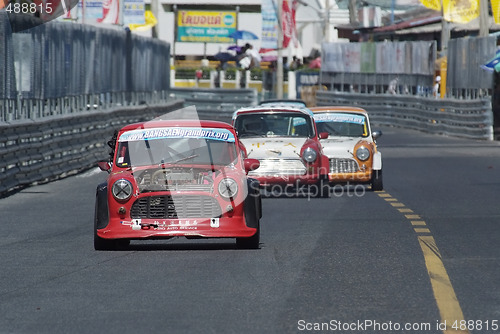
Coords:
pixel 357 259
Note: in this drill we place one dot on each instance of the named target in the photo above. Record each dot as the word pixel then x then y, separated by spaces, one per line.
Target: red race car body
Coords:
pixel 177 178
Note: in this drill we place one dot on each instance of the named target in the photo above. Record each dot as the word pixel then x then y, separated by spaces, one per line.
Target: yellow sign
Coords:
pixel 457 11
pixel 150 22
pixel 432 4
pixel 495 8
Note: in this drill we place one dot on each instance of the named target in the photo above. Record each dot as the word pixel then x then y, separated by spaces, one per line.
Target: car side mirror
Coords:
pixel 251 164
pixel 104 166
pixel 323 135
pixel 376 134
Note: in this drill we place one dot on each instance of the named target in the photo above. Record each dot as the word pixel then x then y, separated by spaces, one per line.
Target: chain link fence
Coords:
pixel 61 68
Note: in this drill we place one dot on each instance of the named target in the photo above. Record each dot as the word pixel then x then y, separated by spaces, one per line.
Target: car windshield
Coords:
pixel 274 124
pixel 342 124
pixel 176 146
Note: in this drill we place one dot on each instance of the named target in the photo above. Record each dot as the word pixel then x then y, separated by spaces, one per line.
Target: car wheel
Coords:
pixel 105 244
pixel 252 242
pixel 377 183
pixel 323 189
pixel 101 244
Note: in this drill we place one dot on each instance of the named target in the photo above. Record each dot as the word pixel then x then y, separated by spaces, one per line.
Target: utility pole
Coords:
pixel 353 18
pixel 445 33
pixel 483 18
pixel 155 11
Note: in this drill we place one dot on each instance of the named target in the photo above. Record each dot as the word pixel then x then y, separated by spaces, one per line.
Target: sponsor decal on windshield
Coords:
pixel 178 132
pixel 340 118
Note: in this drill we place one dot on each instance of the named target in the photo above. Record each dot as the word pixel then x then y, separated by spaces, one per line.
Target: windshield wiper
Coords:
pixel 184 159
pixel 252 134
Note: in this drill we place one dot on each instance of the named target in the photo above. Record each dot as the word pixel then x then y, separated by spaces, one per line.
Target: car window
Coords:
pixel 342 124
pixel 274 124
pixel 177 150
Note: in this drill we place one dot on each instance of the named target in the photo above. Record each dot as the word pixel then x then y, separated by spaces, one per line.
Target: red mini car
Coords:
pixel 177 178
pixel 284 138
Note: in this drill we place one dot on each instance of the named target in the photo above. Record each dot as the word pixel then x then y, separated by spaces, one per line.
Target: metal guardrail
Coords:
pixel 50 148
pixel 460 118
pixel 216 104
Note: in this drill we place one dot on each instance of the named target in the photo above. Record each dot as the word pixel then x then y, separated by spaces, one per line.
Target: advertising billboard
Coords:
pixel 205 26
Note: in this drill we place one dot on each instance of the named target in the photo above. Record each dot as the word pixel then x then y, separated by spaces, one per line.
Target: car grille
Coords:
pixel 280 167
pixel 174 207
pixel 338 165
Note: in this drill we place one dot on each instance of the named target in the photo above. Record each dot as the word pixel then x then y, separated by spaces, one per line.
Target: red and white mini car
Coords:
pixel 284 138
pixel 351 145
pixel 177 178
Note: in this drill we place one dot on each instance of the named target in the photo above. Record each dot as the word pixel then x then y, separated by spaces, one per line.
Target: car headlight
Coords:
pixel 362 153
pixel 309 155
pixel 122 189
pixel 228 188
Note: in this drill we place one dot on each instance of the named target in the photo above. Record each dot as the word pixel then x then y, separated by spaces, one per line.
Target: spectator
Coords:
pixel 295 64
pixel 393 86
pixel 435 89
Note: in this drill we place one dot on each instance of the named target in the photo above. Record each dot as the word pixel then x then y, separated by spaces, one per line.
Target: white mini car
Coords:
pixel 350 146
pixel 284 138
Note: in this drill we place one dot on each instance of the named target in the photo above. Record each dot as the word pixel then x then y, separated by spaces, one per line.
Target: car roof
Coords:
pixel 273 108
pixel 287 102
pixel 178 123
pixel 339 109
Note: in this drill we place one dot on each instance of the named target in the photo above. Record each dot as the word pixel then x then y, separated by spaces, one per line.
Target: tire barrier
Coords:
pixel 46 149
pixel 216 104
pixel 453 117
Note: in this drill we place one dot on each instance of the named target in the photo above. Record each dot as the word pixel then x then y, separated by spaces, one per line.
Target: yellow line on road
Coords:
pixel 446 300
pixel 418 223
pixel 406 210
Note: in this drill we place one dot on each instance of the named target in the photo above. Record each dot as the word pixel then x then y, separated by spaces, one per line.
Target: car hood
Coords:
pixel 339 147
pixel 269 148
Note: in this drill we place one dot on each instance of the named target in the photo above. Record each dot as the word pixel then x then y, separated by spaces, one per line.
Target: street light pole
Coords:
pixel 279 69
pixel 483 18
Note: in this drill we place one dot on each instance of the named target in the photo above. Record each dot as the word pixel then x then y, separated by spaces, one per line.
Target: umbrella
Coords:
pixel 493 64
pixel 235 48
pixel 243 34
pixel 315 63
pixel 224 56
pixel 268 54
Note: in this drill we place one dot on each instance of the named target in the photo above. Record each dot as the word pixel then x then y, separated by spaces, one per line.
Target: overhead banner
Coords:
pixel 205 26
pixel 381 57
pixel 133 12
pixel 270 24
pixel 457 11
pixel 269 39
pixel 495 9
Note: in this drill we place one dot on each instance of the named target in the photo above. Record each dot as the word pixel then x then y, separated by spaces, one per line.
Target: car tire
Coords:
pixel 100 243
pixel 377 183
pixel 323 190
pixel 252 242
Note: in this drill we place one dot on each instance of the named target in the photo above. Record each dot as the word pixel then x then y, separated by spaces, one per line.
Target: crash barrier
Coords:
pixel 215 104
pixel 46 149
pixel 460 118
